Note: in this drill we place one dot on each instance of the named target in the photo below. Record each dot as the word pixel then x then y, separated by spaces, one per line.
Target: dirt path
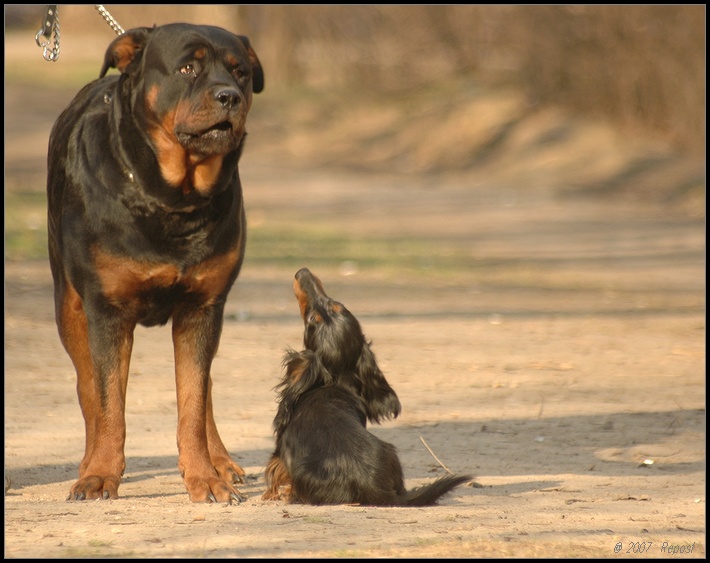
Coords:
pixel 552 397
pixel 553 348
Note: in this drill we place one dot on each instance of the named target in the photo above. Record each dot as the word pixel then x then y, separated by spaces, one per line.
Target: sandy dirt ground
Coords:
pixel 561 363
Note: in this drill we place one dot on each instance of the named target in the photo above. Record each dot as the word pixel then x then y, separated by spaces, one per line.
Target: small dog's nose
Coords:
pixel 303 272
pixel 227 97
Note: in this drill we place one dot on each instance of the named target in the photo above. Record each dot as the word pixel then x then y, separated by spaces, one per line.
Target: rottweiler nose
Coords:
pixel 227 97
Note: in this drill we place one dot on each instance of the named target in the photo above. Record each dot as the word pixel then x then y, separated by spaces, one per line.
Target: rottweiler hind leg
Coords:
pixel 203 461
pixel 101 355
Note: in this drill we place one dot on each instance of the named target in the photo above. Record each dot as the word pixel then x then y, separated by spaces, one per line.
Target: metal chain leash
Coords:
pixel 110 20
pixel 50 31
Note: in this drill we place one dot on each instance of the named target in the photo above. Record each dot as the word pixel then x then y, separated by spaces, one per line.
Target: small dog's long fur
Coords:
pixel 324 454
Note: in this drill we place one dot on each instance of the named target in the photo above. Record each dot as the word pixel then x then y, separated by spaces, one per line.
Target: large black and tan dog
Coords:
pixel 146 223
pixel 324 453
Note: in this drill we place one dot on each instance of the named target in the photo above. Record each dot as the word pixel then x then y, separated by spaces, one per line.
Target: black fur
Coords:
pixel 324 453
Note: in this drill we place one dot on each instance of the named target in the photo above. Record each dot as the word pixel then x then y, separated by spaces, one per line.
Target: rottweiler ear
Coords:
pixel 380 399
pixel 258 72
pixel 124 49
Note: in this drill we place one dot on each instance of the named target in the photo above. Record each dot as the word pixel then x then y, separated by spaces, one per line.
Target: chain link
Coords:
pixel 50 29
pixel 110 20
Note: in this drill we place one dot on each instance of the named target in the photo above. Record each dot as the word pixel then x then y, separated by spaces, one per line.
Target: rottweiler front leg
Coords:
pixel 204 463
pixel 99 344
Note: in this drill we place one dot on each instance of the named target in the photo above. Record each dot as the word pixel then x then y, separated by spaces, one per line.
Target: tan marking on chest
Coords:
pixel 178 167
pixel 214 276
pixel 205 172
pixel 124 280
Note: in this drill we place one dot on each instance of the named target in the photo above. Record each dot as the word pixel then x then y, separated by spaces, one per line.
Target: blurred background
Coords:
pixel 510 198
pixel 641 66
pixel 590 101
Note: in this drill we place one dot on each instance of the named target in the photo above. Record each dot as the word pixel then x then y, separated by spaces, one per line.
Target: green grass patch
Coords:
pixel 292 248
pixel 25 225
pixel 318 247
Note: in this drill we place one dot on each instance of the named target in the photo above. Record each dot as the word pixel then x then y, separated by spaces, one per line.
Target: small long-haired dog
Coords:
pixel 324 454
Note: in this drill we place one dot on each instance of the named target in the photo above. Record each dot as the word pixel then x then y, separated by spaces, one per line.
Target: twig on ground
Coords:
pixel 434 455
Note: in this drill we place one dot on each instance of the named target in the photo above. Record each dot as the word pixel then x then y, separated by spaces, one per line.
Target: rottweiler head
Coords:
pixel 190 89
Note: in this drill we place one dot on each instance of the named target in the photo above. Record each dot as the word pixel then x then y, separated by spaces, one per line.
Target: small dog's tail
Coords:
pixel 427 495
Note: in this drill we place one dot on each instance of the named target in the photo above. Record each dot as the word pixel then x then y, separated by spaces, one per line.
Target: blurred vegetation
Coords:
pixel 641 65
pixel 411 78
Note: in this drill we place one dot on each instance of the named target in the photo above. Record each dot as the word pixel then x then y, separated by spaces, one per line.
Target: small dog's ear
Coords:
pixel 380 399
pixel 304 371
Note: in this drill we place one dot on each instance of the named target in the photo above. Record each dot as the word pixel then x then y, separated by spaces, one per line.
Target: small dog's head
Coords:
pixel 336 353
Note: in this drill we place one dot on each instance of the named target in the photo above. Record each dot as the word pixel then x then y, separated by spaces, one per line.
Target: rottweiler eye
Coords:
pixel 188 69
pixel 239 73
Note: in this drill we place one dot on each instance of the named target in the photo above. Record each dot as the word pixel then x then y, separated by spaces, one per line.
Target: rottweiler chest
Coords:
pixel 148 292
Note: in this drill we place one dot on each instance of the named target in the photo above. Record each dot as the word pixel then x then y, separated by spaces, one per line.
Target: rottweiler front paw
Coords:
pixel 212 489
pixel 94 487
